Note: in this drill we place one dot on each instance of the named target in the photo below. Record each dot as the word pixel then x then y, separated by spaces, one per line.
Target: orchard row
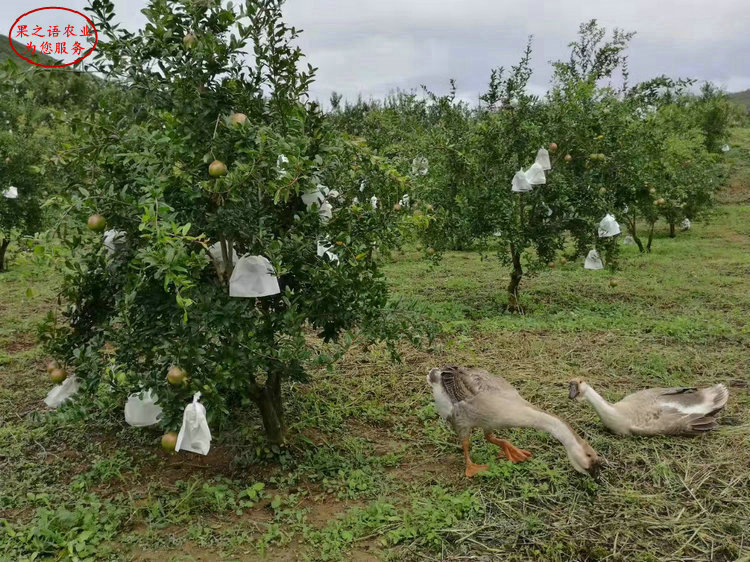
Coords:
pixel 620 156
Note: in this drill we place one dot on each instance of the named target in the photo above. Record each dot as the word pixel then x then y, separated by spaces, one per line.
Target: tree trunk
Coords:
pixel 632 227
pixel 515 280
pixel 3 246
pixel 269 403
pixel 650 237
pixel 639 243
pixel 671 230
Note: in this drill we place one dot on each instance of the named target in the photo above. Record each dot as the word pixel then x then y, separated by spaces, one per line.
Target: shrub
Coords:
pixel 25 141
pixel 157 299
pixel 594 128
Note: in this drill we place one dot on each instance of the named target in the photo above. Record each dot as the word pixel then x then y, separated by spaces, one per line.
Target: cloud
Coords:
pixel 371 47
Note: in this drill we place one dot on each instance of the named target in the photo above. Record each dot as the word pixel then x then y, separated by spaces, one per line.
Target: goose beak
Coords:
pixel 573 390
pixel 596 468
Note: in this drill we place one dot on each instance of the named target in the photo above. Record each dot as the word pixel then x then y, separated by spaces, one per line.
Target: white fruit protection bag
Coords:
pixel 216 255
pixel 542 158
pixel 325 212
pixel 312 197
pixel 593 261
pixel 535 174
pixel 11 193
pixel 324 249
pixel 113 240
pixel 628 241
pixel 686 224
pixel 253 276
pixel 194 435
pixel 520 184
pixel 62 392
pixel 420 166
pixel 608 227
pixel 281 163
pixel 141 409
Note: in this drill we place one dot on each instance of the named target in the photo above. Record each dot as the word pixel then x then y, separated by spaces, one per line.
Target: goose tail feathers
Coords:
pixel 719 395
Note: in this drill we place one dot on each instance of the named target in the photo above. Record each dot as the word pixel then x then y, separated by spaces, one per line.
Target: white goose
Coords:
pixel 469 397
pixel 657 411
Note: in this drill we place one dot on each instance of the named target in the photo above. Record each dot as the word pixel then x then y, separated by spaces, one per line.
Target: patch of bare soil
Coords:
pixel 193 553
pixel 737 191
pixel 190 552
pixel 319 514
pixel 22 342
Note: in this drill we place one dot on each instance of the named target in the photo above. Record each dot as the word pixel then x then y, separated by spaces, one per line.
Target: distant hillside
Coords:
pixel 742 98
pixel 7 53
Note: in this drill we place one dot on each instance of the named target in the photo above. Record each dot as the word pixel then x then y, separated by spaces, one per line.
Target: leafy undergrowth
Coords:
pixel 737 189
pixel 369 473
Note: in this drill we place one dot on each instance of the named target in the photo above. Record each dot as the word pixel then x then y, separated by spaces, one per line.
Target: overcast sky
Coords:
pixel 371 47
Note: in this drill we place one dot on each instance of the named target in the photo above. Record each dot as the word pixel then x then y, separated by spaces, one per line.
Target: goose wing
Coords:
pixel 464 383
pixel 654 395
pixel 706 401
pixel 673 411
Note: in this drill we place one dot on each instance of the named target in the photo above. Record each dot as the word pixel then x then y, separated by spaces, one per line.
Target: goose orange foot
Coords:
pixel 513 454
pixel 473 469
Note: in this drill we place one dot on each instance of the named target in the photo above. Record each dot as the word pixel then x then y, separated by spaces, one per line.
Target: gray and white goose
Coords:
pixel 469 397
pixel 657 411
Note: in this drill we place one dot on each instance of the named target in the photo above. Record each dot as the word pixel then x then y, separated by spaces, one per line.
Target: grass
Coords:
pixel 370 473
pixel 738 185
pixel 742 98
